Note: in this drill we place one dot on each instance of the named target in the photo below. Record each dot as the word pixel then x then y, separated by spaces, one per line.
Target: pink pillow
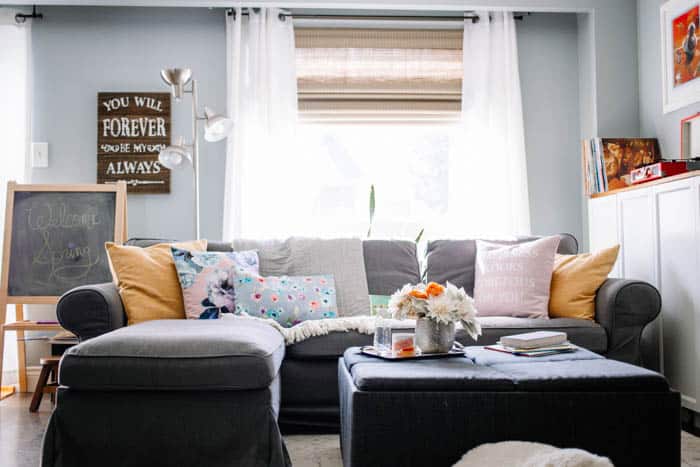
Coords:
pixel 514 280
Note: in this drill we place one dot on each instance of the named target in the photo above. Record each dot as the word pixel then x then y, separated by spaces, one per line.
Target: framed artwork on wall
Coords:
pixel 690 136
pixel 680 53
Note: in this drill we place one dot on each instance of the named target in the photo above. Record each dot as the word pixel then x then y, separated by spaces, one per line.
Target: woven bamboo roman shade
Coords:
pixel 378 74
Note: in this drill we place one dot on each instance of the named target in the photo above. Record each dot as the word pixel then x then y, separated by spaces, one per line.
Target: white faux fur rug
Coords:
pixel 525 454
pixel 324 451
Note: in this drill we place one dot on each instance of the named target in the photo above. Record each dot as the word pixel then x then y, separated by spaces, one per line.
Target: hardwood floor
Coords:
pixel 21 434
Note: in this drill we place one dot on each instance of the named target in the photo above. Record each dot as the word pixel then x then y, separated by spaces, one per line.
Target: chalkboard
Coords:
pixel 57 237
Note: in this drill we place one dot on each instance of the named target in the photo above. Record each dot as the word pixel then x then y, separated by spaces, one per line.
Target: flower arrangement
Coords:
pixel 444 304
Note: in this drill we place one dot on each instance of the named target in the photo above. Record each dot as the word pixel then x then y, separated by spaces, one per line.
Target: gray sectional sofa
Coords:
pixel 309 371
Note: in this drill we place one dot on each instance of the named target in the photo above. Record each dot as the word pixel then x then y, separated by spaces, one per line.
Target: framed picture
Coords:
pixel 690 137
pixel 680 53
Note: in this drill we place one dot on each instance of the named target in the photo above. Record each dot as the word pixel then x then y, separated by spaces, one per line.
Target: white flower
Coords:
pixel 452 305
pixel 402 305
pixel 441 308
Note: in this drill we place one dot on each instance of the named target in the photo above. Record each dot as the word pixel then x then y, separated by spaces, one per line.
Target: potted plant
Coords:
pixel 436 309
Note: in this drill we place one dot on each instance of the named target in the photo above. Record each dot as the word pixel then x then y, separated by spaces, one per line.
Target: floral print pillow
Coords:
pixel 207 279
pixel 289 300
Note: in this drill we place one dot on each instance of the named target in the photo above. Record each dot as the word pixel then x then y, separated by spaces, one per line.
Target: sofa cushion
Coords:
pixel 390 264
pixel 582 332
pixel 585 333
pixel 575 281
pixel 299 256
pixel 177 354
pixel 331 346
pixel 453 260
pixel 146 242
pixel 514 280
pixel 207 279
pixel 147 279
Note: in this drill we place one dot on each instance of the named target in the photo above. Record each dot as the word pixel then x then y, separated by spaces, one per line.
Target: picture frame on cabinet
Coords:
pixel 690 137
pixel 680 53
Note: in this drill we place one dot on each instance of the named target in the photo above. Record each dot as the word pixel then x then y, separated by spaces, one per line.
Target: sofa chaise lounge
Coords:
pixel 308 375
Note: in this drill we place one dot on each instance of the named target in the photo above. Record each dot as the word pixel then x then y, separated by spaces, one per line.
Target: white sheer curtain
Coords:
pixel 262 100
pixel 488 172
pixel 15 99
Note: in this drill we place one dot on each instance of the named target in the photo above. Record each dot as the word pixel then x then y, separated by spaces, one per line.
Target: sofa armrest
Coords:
pixel 91 310
pixel 624 307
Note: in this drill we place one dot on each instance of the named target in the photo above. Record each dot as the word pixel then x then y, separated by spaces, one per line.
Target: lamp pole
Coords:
pixel 216 128
pixel 195 157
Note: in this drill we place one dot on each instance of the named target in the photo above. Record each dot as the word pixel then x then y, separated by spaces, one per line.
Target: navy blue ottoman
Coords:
pixel 430 412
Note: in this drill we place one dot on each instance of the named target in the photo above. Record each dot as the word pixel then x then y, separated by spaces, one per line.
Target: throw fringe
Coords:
pixel 322 327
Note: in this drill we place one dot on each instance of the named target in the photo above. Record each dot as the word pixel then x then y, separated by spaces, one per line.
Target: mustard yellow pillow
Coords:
pixel 147 279
pixel 575 280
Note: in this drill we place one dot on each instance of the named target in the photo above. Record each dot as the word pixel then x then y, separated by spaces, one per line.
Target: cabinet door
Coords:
pixel 637 237
pixel 677 211
pixel 603 226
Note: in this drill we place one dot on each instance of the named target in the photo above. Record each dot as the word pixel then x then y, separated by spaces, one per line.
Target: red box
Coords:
pixel 657 171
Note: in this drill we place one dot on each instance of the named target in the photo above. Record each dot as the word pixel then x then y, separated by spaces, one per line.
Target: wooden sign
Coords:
pixel 132 128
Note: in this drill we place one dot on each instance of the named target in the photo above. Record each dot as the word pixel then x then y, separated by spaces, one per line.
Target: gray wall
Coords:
pixel 82 51
pixel 653 121
pixel 79 52
pixel 547 48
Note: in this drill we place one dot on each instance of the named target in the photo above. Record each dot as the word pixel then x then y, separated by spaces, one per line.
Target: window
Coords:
pixel 376 108
pixel 378 74
pixel 407 164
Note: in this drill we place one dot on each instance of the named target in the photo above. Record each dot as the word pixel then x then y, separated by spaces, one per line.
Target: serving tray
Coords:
pixel 371 352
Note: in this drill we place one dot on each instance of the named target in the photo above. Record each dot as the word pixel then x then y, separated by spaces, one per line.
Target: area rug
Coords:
pixel 324 450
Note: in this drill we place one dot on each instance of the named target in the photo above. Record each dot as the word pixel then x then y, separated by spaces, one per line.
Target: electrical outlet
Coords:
pixel 40 155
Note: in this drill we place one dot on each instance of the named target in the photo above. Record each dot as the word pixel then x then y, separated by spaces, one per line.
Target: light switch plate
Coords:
pixel 40 155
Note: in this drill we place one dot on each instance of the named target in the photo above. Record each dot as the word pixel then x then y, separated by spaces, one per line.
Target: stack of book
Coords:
pixel 607 162
pixel 534 344
pixel 595 180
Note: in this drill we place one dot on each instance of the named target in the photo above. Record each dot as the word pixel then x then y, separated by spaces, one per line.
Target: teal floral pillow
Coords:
pixel 207 279
pixel 289 300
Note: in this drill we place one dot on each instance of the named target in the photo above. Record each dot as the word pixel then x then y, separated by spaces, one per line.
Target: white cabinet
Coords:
pixel 603 226
pixel 677 211
pixel 636 235
pixel 658 228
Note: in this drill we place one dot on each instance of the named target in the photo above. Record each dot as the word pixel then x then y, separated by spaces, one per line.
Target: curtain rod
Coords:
pixel 467 15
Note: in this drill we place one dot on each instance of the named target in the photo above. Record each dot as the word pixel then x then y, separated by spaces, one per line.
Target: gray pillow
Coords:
pixel 299 256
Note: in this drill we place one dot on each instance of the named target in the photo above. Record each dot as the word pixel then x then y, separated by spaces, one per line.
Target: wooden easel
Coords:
pixel 20 326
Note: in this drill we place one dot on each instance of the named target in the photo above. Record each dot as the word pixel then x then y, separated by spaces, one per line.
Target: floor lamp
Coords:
pixel 216 128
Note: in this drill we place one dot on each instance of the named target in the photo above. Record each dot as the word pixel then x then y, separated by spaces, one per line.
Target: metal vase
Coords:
pixel 433 336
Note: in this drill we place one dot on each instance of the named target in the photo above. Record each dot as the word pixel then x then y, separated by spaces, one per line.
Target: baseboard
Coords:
pixel 11 378
pixel 32 377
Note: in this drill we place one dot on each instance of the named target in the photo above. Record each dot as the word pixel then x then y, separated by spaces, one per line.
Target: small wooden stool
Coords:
pixel 49 370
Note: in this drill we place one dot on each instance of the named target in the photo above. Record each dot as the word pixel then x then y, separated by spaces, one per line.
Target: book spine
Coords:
pixel 589 162
pixel 604 173
pixel 584 168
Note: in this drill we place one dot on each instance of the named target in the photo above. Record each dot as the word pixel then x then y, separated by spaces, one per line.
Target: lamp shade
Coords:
pixel 173 156
pixel 176 78
pixel 216 127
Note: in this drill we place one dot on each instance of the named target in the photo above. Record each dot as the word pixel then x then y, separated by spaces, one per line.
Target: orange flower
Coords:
pixel 434 289
pixel 418 294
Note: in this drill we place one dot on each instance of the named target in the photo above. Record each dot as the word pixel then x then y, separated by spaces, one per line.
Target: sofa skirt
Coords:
pixel 165 428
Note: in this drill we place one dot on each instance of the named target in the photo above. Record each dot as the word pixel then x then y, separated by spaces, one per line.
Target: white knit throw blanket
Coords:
pixel 321 327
